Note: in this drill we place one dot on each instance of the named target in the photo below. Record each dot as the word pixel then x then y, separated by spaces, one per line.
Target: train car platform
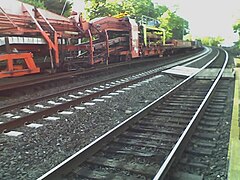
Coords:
pixel 234 142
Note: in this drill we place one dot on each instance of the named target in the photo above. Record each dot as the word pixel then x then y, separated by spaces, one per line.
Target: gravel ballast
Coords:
pixel 36 151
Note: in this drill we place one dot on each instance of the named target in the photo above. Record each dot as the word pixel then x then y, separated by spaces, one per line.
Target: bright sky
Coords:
pixel 78 5
pixel 205 17
pixel 208 17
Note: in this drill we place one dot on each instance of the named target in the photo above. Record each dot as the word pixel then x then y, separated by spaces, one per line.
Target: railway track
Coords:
pixel 66 77
pixel 92 85
pixel 145 145
pixel 206 153
pixel 18 114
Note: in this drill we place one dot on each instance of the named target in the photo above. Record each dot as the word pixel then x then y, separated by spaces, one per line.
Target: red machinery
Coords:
pixel 55 40
pixel 109 37
pixel 18 70
pixel 24 28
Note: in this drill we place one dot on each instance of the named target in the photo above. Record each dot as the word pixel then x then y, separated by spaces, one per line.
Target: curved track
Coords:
pixel 146 144
pixel 18 114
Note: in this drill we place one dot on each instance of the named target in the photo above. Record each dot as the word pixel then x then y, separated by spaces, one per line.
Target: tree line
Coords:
pixel 175 26
pixel 236 29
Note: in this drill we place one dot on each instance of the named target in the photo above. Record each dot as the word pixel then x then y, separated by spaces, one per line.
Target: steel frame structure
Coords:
pixel 32 22
pixel 92 42
pixel 13 69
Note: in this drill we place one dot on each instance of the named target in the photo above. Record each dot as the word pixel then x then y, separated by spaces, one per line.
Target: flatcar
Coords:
pixel 31 37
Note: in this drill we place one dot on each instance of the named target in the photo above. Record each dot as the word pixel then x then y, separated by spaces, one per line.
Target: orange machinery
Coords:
pixel 24 30
pixel 110 38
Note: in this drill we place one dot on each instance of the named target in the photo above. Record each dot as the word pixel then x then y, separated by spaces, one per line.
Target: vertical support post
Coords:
pixel 56 51
pixel 145 35
pixel 7 45
pixel 62 55
pixel 51 60
pixel 107 48
pixel 10 63
pixel 164 36
pixel 91 47
pixel 54 44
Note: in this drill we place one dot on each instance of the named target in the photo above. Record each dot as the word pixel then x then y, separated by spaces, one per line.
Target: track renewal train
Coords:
pixel 32 39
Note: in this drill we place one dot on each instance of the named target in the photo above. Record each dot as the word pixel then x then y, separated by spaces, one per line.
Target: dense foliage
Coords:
pixel 175 26
pixel 135 8
pixel 55 6
pixel 212 41
pixel 236 28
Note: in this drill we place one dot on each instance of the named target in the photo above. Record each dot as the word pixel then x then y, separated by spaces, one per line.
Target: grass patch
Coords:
pixel 237 62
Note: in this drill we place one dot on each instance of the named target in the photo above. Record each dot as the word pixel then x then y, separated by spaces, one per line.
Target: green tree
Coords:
pixel 179 27
pixel 175 26
pixel 59 6
pixel 236 29
pixel 134 8
pixel 55 6
pixel 159 10
pixel 164 23
pixel 101 8
pixel 212 41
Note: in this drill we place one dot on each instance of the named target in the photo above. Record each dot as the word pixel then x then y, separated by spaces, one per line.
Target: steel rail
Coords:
pixel 4 127
pixel 73 161
pixel 69 75
pixel 78 88
pixel 186 135
pixel 37 99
